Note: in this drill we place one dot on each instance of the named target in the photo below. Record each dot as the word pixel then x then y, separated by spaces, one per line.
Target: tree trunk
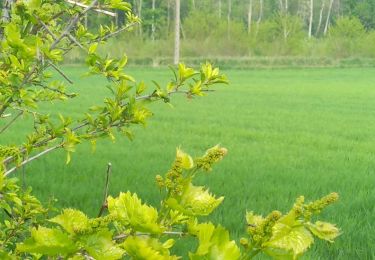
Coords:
pixel 177 33
pixel 320 17
pixel 260 15
pixel 284 17
pixel 229 16
pixel 5 14
pixel 153 22
pixel 140 16
pixel 7 7
pixel 168 15
pixel 339 7
pixel 311 17
pixel 249 16
pixel 193 2
pixel 328 17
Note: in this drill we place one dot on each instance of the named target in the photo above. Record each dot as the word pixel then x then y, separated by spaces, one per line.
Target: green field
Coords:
pixel 288 132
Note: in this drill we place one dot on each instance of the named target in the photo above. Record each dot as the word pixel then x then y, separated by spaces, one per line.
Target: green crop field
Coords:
pixel 288 132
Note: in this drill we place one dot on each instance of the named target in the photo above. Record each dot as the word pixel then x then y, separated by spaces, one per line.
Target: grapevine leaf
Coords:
pixel 195 201
pixel 214 243
pixel 290 238
pixel 142 248
pixel 100 246
pixel 130 211
pixel 324 230
pixel 72 220
pixel 46 241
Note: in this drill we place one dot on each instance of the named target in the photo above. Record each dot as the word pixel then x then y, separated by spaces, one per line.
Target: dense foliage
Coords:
pixel 35 36
pixel 251 28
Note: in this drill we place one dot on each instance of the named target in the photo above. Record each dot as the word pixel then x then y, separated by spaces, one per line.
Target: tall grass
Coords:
pixel 289 132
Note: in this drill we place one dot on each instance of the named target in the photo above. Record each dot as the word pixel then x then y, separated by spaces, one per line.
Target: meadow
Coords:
pixel 289 132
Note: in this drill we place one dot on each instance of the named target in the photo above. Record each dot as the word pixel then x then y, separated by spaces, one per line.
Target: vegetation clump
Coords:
pixel 35 39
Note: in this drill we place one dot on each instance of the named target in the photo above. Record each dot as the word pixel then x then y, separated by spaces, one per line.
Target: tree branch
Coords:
pixel 145 97
pixel 46 27
pixel 61 73
pixel 106 187
pixel 95 9
pixel 117 32
pixel 10 122
pixel 33 158
pixel 73 22
pixel 170 233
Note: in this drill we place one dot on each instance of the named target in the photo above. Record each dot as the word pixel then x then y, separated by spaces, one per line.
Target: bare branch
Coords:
pixel 5 115
pixel 85 123
pixel 72 23
pixel 170 233
pixel 106 188
pixel 61 73
pixel 74 40
pixel 118 31
pixel 170 93
pixel 33 158
pixel 10 122
pixel 95 9
pixel 46 27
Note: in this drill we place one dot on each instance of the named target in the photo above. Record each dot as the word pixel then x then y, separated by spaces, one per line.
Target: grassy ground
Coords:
pixel 289 132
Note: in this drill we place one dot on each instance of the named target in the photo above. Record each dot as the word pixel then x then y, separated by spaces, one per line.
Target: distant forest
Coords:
pixel 248 28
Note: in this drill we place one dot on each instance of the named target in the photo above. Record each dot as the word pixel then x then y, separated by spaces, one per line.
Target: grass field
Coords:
pixel 289 132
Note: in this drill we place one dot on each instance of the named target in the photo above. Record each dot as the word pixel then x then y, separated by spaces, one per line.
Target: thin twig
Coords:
pixel 10 122
pixel 117 32
pixel 149 96
pixel 5 115
pixel 95 9
pixel 171 233
pixel 170 93
pixel 74 40
pixel 23 175
pixel 33 158
pixel 61 73
pixel 41 143
pixel 105 204
pixel 72 23
pixel 145 97
pixel 46 27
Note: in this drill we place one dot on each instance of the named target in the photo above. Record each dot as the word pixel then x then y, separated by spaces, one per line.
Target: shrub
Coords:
pixel 345 37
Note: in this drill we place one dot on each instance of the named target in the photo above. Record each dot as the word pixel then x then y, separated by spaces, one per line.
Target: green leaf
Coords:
pixel 129 210
pixel 185 159
pixel 100 246
pixel 184 72
pixel 290 238
pixel 324 230
pixel 123 61
pixel 46 241
pixel 13 35
pixel 120 5
pixel 195 201
pixel 143 248
pixel 33 4
pixel 140 88
pixel 93 47
pixel 73 221
pixel 6 256
pixel 214 243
